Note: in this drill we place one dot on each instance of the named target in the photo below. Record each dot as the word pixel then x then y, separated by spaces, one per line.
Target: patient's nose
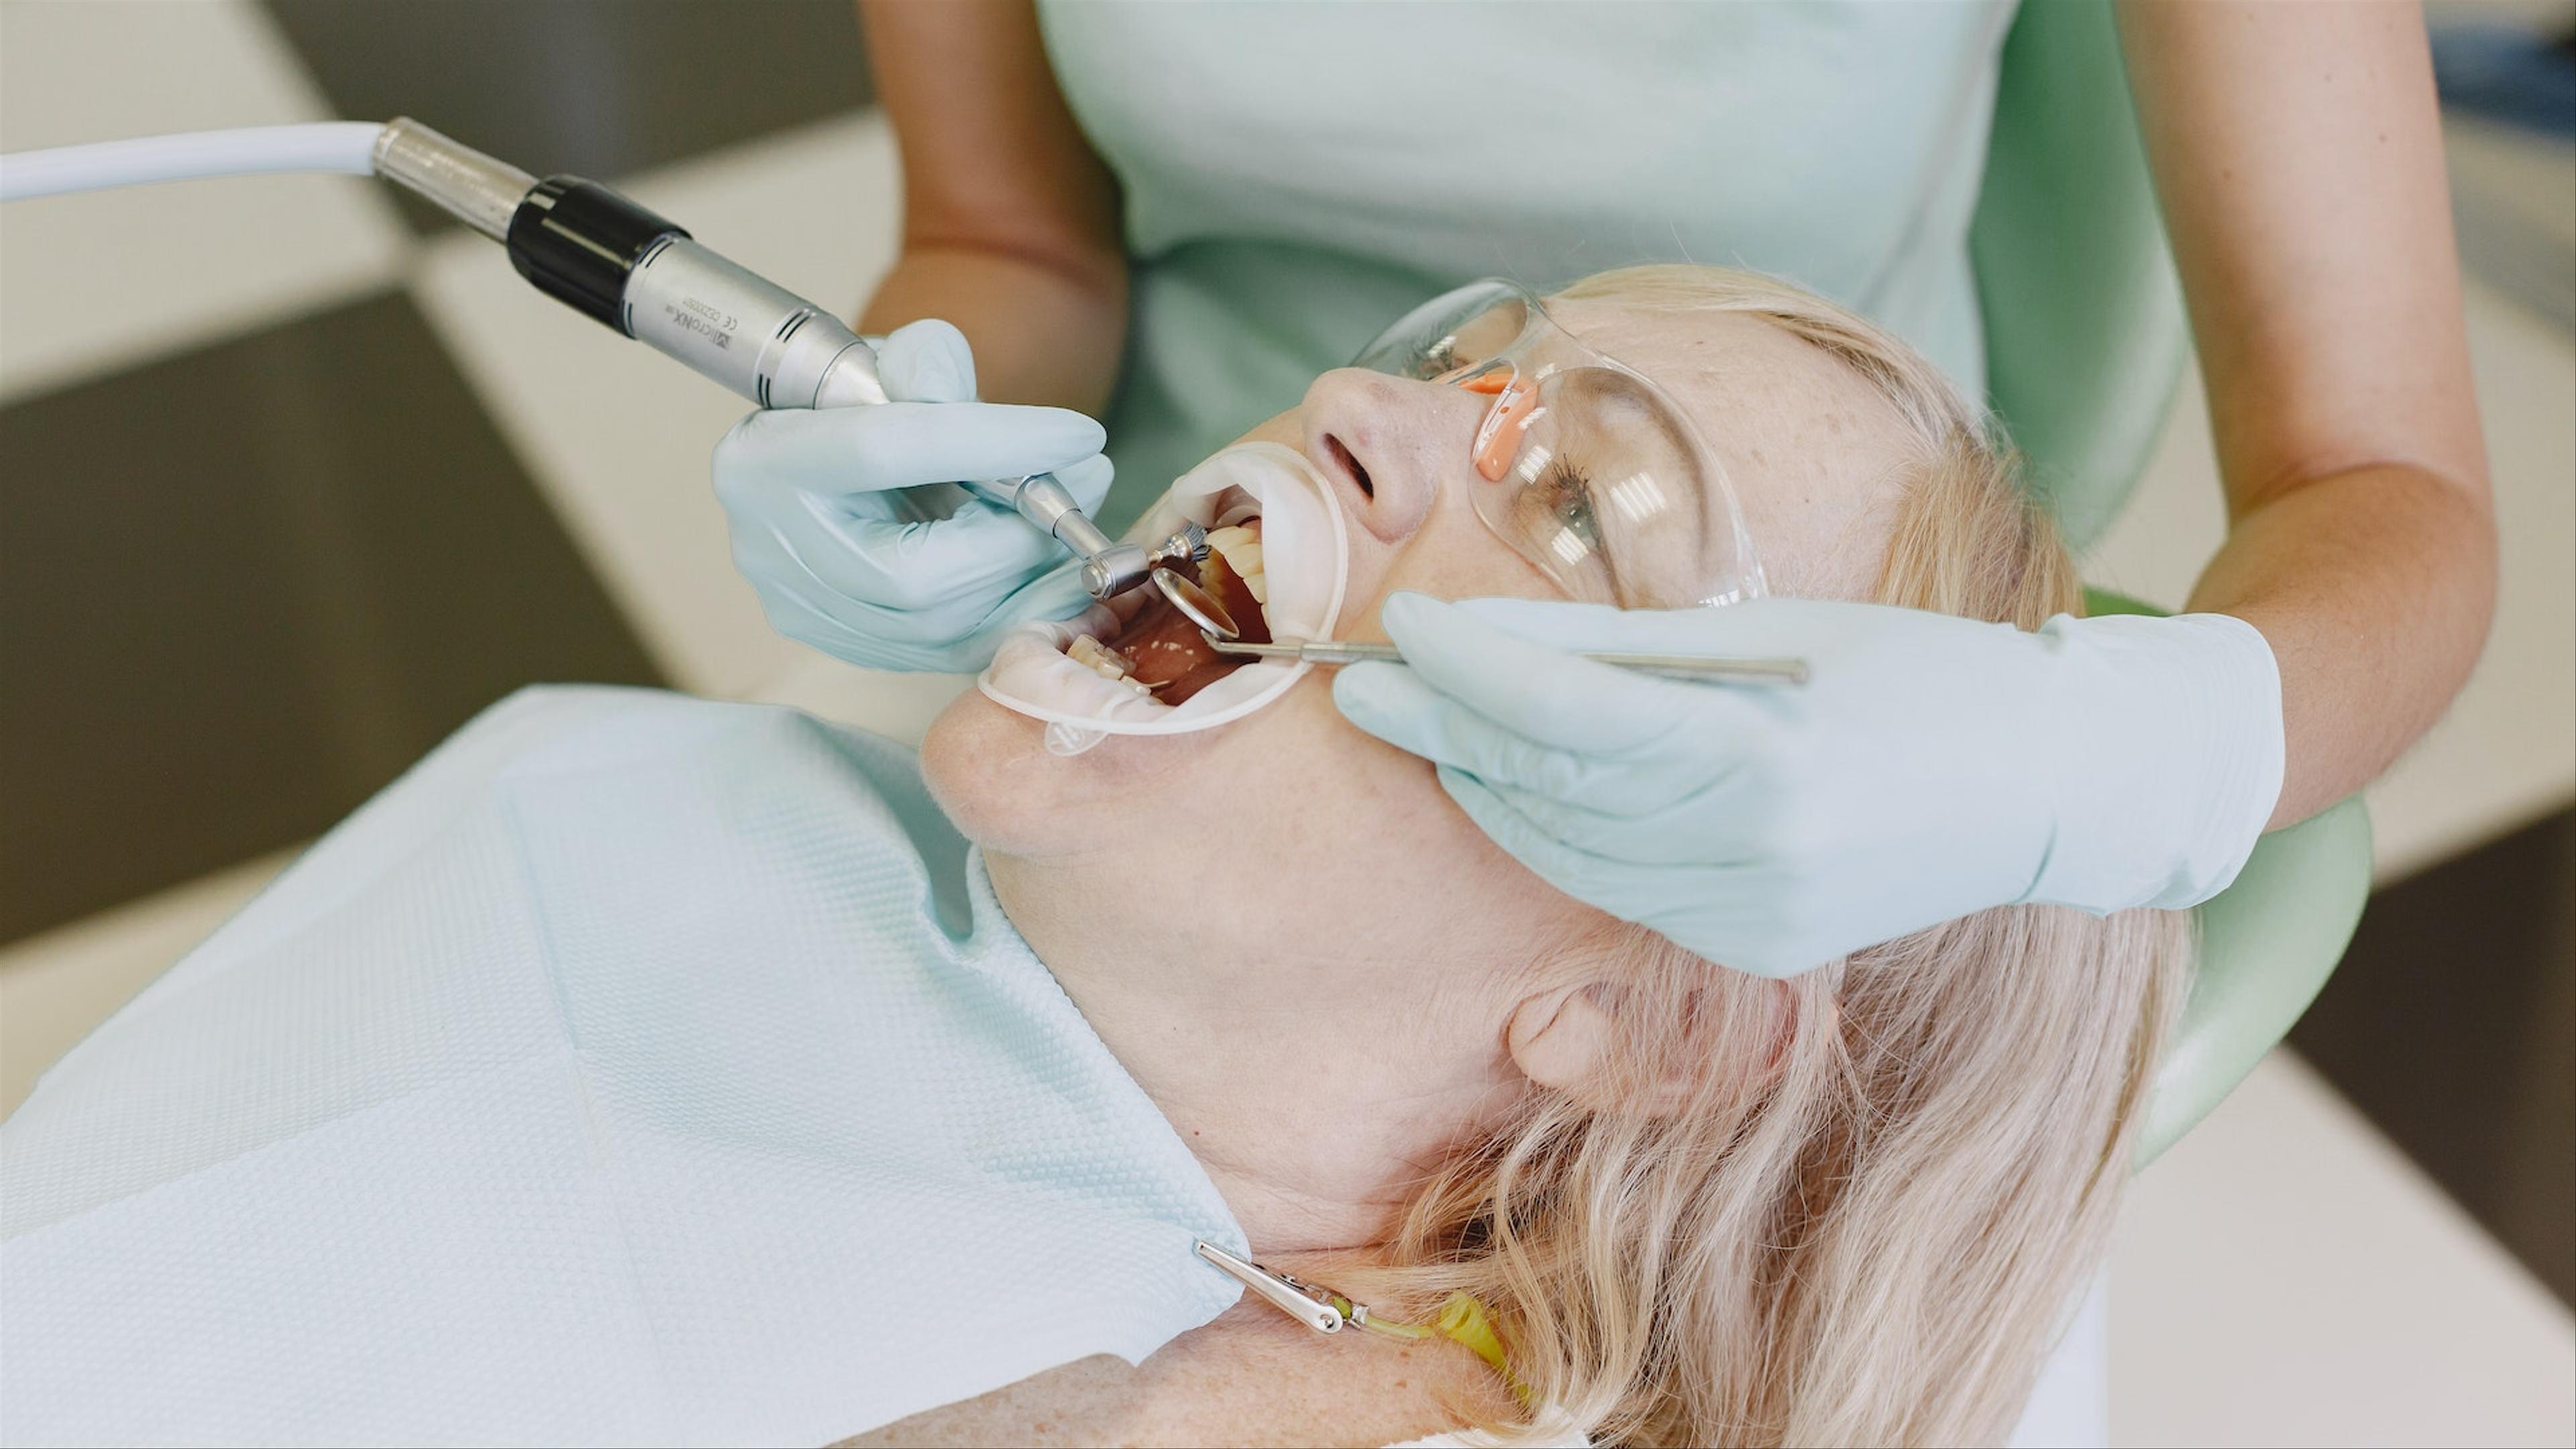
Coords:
pixel 1388 444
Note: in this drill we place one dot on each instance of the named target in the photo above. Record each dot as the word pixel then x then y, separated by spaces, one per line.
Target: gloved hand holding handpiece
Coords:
pixel 1932 766
pixel 838 527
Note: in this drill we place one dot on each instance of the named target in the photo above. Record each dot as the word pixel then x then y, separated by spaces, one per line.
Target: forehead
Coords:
pixel 1815 453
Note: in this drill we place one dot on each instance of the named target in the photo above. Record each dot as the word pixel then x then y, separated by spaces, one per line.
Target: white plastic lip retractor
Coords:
pixel 1307 542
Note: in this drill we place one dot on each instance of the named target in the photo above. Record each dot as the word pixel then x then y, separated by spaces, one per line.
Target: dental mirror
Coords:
pixel 1196 604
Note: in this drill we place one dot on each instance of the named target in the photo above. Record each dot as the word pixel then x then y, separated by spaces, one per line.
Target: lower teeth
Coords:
pixel 1100 658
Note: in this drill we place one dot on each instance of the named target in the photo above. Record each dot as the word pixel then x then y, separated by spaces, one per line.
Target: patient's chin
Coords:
pixel 991 772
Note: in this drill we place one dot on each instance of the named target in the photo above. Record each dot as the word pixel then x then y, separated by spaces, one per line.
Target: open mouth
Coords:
pixel 1160 651
pixel 1278 561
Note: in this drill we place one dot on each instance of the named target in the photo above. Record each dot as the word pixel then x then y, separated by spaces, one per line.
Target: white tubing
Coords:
pixel 348 147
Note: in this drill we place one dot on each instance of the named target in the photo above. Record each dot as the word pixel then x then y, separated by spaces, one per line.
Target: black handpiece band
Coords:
pixel 577 241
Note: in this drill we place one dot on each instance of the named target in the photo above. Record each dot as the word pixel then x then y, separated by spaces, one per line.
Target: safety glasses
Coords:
pixel 1585 468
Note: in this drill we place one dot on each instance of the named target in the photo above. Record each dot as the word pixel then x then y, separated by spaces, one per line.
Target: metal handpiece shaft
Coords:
pixel 1108 566
pixel 1670 666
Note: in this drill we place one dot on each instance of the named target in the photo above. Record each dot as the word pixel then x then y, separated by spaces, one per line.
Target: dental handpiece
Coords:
pixel 603 255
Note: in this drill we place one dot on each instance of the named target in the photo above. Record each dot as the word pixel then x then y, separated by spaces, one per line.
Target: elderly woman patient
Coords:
pixel 646 1069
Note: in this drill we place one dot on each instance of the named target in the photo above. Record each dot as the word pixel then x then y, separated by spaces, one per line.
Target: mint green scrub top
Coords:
pixel 1299 175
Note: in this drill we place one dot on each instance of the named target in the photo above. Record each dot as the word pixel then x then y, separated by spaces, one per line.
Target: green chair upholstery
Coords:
pixel 2085 335
pixel 2085 340
pixel 2267 945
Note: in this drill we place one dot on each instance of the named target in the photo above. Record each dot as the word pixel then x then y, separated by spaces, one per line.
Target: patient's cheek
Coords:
pixel 989 771
pixel 968 734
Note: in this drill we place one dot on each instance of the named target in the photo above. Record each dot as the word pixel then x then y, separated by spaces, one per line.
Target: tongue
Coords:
pixel 1171 657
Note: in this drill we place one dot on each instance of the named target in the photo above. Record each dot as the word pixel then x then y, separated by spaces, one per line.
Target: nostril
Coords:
pixel 1359 475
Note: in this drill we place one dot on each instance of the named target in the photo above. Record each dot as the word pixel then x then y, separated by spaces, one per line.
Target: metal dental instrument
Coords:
pixel 1462 1320
pixel 1320 1309
pixel 599 253
pixel 1689 667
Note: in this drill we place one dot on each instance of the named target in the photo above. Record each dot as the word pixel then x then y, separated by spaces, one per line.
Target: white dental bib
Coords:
pixel 635 1070
pixel 1305 551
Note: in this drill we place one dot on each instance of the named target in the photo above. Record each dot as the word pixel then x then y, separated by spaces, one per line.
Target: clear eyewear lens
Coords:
pixel 1455 330
pixel 1600 482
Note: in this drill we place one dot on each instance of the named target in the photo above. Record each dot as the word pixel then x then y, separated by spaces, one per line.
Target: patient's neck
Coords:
pixel 1303 1046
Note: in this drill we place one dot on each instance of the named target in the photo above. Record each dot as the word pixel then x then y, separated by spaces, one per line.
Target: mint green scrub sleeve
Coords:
pixel 1298 175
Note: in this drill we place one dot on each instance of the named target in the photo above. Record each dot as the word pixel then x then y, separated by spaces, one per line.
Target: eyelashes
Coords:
pixel 1564 493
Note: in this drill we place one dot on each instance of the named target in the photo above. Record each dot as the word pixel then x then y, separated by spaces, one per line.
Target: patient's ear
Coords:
pixel 1617 1049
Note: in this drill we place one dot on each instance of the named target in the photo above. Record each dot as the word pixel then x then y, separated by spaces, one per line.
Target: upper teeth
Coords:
pixel 1241 548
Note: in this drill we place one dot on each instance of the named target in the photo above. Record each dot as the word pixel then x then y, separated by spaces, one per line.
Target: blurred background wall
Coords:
pixel 286 504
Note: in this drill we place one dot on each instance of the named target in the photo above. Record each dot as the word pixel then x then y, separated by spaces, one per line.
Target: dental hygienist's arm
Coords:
pixel 1010 219
pixel 1010 232
pixel 2298 154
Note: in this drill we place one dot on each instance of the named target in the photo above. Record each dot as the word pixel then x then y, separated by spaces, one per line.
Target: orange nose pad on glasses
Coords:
pixel 1507 421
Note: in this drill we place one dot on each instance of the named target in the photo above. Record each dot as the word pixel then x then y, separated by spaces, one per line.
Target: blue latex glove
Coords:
pixel 848 561
pixel 1932 766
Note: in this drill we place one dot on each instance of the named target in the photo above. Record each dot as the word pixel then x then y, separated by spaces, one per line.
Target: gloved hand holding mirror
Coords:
pixel 1930 766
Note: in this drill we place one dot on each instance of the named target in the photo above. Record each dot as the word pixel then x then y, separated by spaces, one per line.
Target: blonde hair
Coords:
pixel 1871 1234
